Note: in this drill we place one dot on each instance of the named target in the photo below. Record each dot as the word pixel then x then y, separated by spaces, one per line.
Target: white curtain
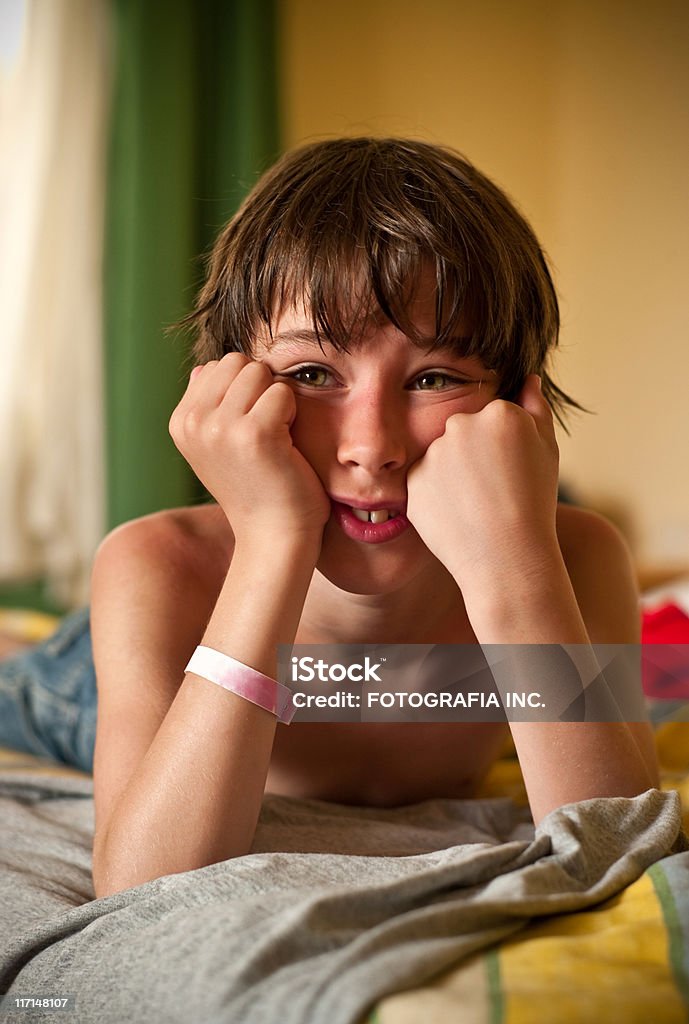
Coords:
pixel 53 121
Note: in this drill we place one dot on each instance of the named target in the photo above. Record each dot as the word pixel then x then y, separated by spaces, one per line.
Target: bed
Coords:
pixel 442 911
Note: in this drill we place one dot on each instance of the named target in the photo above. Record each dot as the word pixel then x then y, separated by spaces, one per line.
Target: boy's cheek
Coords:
pixel 308 440
pixel 315 427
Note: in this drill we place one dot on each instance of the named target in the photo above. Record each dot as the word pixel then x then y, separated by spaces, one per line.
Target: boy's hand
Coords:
pixel 484 496
pixel 232 426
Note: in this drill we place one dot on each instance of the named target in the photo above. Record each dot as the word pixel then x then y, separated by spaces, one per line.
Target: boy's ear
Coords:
pixel 531 396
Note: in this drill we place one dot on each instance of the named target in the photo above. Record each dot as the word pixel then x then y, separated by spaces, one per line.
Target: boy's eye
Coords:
pixel 434 380
pixel 313 376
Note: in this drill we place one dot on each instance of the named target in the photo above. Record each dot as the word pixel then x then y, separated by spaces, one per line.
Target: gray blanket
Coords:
pixel 334 908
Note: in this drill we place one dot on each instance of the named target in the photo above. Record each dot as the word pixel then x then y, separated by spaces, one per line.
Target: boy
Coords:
pixel 371 411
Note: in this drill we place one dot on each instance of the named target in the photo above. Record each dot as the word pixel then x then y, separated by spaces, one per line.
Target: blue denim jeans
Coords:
pixel 48 696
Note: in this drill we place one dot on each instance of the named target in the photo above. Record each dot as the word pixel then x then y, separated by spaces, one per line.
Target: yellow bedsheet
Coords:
pixel 626 960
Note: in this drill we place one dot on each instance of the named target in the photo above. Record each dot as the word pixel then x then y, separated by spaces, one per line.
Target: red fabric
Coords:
pixel 665 635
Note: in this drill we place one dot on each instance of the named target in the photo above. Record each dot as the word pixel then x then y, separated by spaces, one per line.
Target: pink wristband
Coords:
pixel 246 682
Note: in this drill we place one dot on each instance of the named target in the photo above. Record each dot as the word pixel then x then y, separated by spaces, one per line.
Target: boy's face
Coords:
pixel 363 419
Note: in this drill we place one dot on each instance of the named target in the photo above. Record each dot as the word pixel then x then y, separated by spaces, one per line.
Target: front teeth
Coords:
pixel 379 515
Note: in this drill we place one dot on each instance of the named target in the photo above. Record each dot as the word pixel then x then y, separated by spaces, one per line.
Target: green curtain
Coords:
pixel 194 122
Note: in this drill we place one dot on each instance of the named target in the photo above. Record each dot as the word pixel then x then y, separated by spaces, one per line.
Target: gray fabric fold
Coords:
pixel 334 908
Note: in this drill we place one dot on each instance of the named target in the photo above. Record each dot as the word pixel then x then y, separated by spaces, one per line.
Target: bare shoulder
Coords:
pixel 601 569
pixel 193 542
pixel 154 585
pixel 586 536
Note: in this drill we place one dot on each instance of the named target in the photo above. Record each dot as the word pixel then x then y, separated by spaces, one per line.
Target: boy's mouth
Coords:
pixel 375 515
pixel 370 521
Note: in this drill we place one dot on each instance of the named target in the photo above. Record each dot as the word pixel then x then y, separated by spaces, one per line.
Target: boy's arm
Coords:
pixel 563 762
pixel 195 783
pixel 484 499
pixel 180 769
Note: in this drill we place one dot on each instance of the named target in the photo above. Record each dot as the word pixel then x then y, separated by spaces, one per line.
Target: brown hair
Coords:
pixel 347 225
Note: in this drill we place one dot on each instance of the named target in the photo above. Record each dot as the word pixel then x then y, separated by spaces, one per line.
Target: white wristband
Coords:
pixel 246 682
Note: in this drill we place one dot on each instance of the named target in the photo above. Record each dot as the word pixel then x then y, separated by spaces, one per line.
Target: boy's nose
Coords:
pixel 373 437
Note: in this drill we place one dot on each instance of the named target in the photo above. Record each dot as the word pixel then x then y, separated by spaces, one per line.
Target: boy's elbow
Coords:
pixel 113 870
pixel 104 884
pixel 111 875
pixel 102 889
pixel 110 879
pixel 106 881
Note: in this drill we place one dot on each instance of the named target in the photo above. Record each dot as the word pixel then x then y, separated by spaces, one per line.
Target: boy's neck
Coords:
pixel 430 609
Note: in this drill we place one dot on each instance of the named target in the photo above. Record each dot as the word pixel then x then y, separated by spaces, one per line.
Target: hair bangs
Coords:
pixel 363 278
pixel 352 231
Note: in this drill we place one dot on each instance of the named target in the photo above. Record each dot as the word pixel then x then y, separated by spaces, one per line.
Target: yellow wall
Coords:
pixel 580 110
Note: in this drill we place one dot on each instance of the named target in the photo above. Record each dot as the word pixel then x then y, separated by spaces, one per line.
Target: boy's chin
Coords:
pixel 359 576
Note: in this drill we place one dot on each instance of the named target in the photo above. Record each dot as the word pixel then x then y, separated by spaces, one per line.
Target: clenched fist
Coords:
pixel 484 496
pixel 232 426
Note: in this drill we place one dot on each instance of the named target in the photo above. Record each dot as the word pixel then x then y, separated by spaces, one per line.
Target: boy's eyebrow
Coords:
pixel 457 345
pixel 302 334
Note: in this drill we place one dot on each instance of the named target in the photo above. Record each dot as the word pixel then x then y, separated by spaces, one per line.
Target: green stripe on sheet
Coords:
pixel 495 997
pixel 670 879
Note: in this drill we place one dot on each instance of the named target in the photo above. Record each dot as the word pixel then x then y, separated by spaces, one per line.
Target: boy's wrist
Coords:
pixel 529 599
pixel 261 601
pixel 514 560
pixel 288 553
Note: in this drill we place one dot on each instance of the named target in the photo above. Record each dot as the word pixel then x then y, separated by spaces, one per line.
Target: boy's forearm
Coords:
pixel 562 762
pixel 196 797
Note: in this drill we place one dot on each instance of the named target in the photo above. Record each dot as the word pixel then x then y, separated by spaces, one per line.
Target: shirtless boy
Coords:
pixel 373 335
